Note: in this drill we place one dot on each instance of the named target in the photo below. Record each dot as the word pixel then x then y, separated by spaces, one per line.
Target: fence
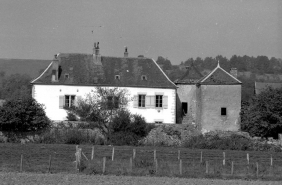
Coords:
pixel 140 161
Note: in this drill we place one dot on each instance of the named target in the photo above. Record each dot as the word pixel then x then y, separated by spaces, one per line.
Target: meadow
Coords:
pixel 171 162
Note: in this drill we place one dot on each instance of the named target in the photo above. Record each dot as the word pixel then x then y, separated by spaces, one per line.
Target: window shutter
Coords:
pixel 148 101
pixel 77 98
pixel 165 102
pixel 153 101
pixel 61 102
pixel 135 101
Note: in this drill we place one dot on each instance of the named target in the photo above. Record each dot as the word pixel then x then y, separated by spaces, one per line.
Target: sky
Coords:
pixel 173 29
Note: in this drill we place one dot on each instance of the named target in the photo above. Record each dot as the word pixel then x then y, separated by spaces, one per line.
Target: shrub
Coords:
pixel 23 115
pixel 124 138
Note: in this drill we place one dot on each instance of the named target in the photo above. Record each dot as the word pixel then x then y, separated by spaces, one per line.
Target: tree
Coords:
pixel 164 62
pixel 263 115
pixel 100 107
pixel 15 86
pixel 23 115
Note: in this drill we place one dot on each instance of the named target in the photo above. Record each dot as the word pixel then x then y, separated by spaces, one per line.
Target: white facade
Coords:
pixel 49 96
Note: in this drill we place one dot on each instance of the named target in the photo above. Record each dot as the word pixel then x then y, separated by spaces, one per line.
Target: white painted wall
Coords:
pixel 49 96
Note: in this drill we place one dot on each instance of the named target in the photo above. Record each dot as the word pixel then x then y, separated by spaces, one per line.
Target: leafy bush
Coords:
pixel 124 138
pixel 23 115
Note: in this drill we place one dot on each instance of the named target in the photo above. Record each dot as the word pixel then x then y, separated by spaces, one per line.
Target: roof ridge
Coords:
pixel 218 67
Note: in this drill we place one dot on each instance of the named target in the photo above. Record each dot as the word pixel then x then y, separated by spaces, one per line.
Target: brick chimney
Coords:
pixel 233 72
pixel 55 69
pixel 125 52
pixel 96 54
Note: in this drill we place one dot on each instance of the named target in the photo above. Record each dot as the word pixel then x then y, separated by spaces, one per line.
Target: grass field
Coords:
pixel 71 179
pixel 36 159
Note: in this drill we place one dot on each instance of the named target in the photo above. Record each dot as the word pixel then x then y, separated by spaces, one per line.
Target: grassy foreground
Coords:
pixel 69 179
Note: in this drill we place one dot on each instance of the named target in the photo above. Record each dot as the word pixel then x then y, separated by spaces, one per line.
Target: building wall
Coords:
pixel 49 96
pixel 212 98
pixel 187 93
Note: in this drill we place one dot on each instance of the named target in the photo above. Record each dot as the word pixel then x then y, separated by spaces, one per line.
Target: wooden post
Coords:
pixel 84 156
pixel 156 166
pixel 271 161
pixel 130 164
pixel 50 161
pixel 223 162
pixel 104 165
pixel 21 164
pixel 178 155
pixel 207 167
pixel 257 169
pixel 113 154
pixel 232 168
pixel 201 158
pixel 155 154
pixel 248 159
pixel 180 166
pixel 134 153
pixel 92 153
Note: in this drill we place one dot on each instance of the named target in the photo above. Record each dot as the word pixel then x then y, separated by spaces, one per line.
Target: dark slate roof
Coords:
pixel 81 70
pixel 191 76
pixel 219 77
pixel 260 86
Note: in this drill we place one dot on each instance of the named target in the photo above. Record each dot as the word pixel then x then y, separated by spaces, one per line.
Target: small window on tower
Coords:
pixel 143 77
pixel 117 77
pixel 223 111
pixel 66 75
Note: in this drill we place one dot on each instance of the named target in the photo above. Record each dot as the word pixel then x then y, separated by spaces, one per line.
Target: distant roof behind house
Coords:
pixel 260 86
pixel 191 76
pixel 79 69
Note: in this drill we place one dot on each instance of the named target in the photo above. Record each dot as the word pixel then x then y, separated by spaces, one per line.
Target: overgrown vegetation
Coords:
pixel 21 116
pixel 262 116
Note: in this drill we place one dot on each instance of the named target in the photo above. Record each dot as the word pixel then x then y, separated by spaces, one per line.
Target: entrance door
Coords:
pixel 184 108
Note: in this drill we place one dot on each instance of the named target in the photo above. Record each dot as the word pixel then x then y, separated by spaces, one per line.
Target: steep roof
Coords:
pixel 79 69
pixel 191 76
pixel 219 76
pixel 260 86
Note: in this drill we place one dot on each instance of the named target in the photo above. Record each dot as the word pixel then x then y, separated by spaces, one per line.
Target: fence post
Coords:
pixel 207 167
pixel 156 166
pixel 232 168
pixel 180 166
pixel 178 155
pixel 201 158
pixel 257 169
pixel 134 153
pixel 155 154
pixel 113 153
pixel 50 161
pixel 130 164
pixel 104 165
pixel 223 162
pixel 21 164
pixel 92 153
pixel 271 161
pixel 248 162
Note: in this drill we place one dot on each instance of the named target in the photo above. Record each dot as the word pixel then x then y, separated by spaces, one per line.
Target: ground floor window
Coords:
pixel 69 100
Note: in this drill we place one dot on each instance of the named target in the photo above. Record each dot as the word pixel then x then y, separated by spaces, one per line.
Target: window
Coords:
pixel 69 100
pixel 117 77
pixel 223 111
pixel 143 77
pixel 159 101
pixel 66 75
pixel 141 100
pixel 112 102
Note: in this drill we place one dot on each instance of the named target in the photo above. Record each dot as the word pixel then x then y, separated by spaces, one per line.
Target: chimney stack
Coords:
pixel 55 69
pixel 96 54
pixel 125 52
pixel 233 72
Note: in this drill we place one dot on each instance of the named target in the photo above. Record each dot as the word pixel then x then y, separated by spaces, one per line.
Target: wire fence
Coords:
pixel 156 160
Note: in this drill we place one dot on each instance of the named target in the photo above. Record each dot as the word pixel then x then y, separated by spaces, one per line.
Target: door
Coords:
pixel 184 108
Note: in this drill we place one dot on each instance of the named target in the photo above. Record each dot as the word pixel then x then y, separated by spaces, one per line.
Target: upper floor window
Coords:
pixel 159 101
pixel 223 111
pixel 141 100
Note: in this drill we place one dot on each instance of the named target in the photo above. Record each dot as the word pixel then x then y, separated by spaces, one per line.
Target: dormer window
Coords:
pixel 66 75
pixel 117 77
pixel 143 77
